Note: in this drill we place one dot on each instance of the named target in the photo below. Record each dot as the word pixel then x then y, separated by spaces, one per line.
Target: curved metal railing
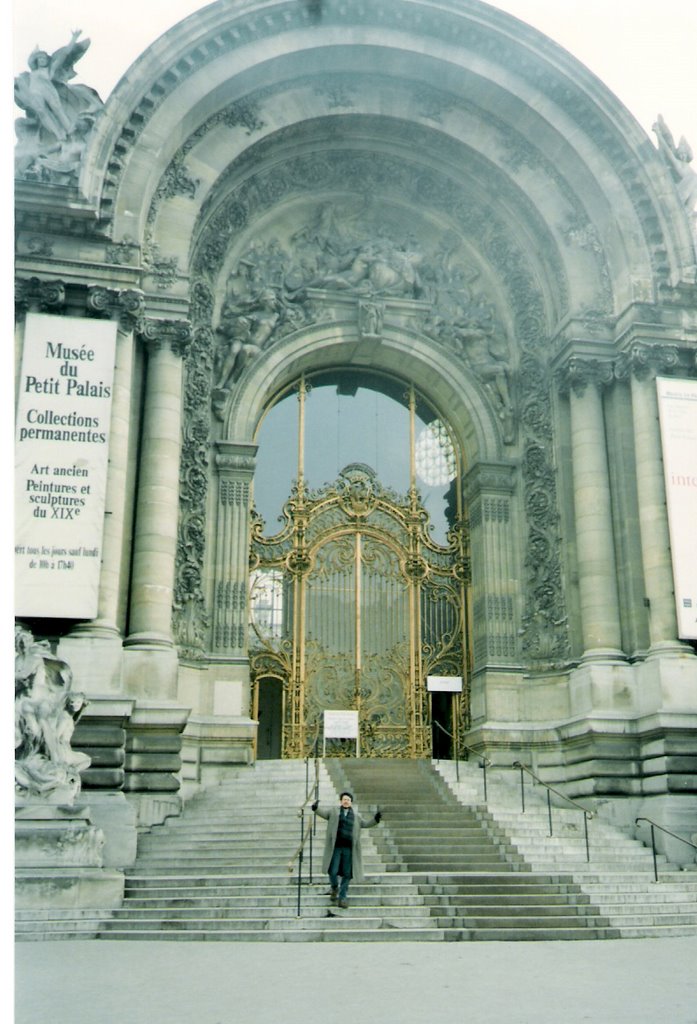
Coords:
pixel 655 825
pixel 484 761
pixel 587 815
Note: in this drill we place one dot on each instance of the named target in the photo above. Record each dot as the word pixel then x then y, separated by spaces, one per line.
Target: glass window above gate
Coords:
pixel 346 417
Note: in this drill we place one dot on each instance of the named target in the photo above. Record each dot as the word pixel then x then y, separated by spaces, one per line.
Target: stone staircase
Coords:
pixel 441 866
pixel 475 882
pixel 618 879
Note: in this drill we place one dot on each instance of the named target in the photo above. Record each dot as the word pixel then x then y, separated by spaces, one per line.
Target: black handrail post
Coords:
pixel 310 856
pixel 522 788
pixel 300 857
pixel 585 826
pixel 549 810
pixel 653 848
pixel 484 770
pixel 457 762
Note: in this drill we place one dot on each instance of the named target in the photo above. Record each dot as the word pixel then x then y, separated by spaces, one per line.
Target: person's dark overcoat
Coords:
pixel 359 823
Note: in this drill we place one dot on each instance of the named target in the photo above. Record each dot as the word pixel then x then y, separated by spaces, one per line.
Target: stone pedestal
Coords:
pixel 59 856
pixel 47 835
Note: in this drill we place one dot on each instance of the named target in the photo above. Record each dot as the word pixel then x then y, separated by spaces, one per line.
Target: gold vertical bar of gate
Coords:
pixel 412 438
pixel 302 392
pixel 357 590
pixel 297 711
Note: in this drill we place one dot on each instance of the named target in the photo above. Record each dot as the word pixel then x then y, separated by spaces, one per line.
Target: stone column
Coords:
pixel 128 306
pixel 642 364
pixel 602 638
pixel 235 468
pixel 157 507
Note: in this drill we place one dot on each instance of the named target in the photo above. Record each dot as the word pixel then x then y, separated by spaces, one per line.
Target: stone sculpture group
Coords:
pixel 59 116
pixel 46 710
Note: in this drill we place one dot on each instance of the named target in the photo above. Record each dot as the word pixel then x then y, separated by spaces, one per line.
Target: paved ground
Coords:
pixel 642 981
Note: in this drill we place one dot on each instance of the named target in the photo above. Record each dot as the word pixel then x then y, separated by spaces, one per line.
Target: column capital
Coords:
pixel 31 293
pixel 645 361
pixel 489 478
pixel 157 333
pixel 126 305
pixel 580 371
pixel 235 458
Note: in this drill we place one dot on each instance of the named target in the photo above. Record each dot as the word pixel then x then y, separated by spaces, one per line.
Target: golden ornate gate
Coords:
pixel 353 605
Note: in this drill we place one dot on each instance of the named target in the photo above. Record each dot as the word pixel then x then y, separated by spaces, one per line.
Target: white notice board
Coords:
pixel 444 684
pixel 341 725
pixel 61 461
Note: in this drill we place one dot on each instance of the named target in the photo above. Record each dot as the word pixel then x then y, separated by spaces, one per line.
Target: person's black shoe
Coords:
pixel 343 904
pixel 333 894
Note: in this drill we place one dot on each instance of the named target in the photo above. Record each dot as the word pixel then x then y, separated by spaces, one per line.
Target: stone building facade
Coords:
pixel 436 204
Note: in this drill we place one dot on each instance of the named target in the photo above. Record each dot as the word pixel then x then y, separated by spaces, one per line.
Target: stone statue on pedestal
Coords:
pixel 52 137
pixel 46 710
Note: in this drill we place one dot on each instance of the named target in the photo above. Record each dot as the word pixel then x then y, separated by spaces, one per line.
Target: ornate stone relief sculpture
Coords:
pixel 46 710
pixel 60 117
pixel 276 288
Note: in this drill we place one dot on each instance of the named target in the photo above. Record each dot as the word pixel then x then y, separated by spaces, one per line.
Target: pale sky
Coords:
pixel 645 51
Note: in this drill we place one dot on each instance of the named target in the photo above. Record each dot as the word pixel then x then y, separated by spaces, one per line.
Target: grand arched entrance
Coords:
pixel 361 594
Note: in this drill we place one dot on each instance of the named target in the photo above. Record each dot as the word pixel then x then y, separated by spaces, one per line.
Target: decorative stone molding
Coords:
pixel 126 251
pixel 648 361
pixel 127 305
pixel 483 36
pixel 579 372
pixel 156 333
pixel 33 293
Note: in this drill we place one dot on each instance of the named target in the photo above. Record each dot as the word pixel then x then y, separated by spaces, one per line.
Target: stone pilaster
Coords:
pixel 641 365
pixel 488 490
pixel 602 638
pixel 155 539
pixel 235 468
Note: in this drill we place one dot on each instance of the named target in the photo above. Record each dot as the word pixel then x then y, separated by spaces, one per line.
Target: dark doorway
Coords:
pixel 270 716
pixel 442 715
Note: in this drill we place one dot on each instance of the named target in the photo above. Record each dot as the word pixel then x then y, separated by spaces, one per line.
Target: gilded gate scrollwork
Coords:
pixel 353 605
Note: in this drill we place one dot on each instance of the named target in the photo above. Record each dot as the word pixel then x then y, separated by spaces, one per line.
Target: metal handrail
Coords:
pixel 457 763
pixel 305 834
pixel 311 794
pixel 654 824
pixel 484 761
pixel 587 815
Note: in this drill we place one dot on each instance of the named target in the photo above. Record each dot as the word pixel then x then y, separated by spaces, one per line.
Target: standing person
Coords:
pixel 342 845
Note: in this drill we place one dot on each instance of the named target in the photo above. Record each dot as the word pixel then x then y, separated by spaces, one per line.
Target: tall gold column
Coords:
pixel 600 616
pixel 157 508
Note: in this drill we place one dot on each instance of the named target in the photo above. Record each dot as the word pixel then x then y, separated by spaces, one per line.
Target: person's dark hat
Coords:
pixel 346 793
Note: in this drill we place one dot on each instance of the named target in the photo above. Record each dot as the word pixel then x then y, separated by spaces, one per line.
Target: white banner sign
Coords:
pixel 61 454
pixel 341 725
pixel 677 405
pixel 444 684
